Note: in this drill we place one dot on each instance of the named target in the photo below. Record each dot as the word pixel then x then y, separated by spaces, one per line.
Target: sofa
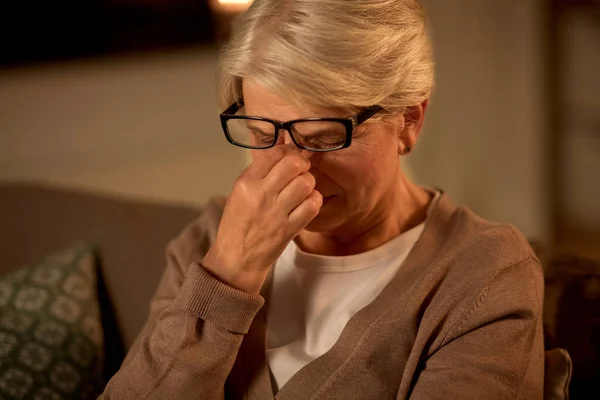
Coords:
pixel 130 238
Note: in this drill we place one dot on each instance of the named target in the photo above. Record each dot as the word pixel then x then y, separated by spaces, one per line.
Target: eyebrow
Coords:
pixel 255 128
pixel 315 132
pixel 251 125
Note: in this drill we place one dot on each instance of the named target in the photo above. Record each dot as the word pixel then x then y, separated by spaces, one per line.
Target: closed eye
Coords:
pixel 257 131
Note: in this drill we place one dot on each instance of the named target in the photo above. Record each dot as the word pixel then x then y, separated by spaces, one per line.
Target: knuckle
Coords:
pixel 297 162
pixel 243 188
pixel 277 152
pixel 306 187
pixel 255 202
pixel 308 182
pixel 303 184
pixel 316 201
pixel 311 178
pixel 246 174
pixel 319 199
pixel 241 184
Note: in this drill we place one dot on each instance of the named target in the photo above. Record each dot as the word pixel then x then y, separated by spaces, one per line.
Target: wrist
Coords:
pixel 234 275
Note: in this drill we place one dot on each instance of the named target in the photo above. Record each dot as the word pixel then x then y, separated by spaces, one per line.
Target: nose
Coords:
pixel 287 138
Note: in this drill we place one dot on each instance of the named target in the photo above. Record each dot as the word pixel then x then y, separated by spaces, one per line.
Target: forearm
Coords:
pixel 495 350
pixel 193 345
pixel 183 355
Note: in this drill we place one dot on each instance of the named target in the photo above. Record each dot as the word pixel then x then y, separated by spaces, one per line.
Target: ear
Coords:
pixel 413 123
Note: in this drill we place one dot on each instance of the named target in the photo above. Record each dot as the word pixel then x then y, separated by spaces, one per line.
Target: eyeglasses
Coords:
pixel 313 134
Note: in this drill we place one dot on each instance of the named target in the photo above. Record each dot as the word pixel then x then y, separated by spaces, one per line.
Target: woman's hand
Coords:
pixel 271 202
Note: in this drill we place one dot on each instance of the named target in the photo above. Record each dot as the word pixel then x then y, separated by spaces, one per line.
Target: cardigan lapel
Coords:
pixel 313 378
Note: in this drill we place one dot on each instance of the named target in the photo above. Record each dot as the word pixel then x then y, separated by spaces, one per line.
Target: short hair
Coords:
pixel 343 54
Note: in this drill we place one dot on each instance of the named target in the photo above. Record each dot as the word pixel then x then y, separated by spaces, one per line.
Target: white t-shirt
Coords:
pixel 314 296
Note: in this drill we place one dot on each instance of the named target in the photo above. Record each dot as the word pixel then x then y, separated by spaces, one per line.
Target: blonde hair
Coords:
pixel 343 54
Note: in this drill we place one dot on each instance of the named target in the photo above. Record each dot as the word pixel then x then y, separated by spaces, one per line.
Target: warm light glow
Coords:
pixel 235 2
pixel 230 6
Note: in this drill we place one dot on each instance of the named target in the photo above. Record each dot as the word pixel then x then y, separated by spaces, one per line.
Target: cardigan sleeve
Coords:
pixel 496 349
pixel 192 335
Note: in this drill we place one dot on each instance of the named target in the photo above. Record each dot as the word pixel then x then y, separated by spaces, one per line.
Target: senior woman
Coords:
pixel 327 273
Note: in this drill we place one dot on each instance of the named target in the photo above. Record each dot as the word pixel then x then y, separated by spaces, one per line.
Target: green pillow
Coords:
pixel 51 339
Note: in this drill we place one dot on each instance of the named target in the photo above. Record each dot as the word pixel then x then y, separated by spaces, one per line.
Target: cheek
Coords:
pixel 371 160
pixel 357 173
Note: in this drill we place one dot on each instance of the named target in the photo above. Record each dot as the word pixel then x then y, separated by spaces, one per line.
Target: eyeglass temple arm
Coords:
pixel 366 114
pixel 232 109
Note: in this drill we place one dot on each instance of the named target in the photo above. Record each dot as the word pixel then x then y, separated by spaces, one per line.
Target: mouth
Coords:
pixel 327 199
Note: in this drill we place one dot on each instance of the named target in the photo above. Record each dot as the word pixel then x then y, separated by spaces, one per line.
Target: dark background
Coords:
pixel 38 30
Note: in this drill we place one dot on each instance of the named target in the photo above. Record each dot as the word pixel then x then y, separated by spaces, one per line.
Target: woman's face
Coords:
pixel 354 182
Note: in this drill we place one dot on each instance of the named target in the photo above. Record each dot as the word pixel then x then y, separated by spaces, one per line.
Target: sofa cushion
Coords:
pixel 558 369
pixel 50 330
pixel 572 317
pixel 131 237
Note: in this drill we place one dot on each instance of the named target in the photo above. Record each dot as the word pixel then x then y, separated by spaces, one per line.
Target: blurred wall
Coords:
pixel 144 126
pixel 580 142
pixel 148 127
pixel 484 140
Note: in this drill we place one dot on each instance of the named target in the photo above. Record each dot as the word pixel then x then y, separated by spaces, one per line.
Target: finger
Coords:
pixel 305 212
pixel 297 191
pixel 285 171
pixel 261 166
pixel 307 154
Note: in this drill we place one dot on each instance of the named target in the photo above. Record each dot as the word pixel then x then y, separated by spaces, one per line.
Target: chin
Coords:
pixel 324 222
pixel 331 216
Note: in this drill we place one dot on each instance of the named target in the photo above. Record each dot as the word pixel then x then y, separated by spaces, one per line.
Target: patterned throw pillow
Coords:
pixel 51 337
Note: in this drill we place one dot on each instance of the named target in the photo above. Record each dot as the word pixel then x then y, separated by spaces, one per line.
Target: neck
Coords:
pixel 403 207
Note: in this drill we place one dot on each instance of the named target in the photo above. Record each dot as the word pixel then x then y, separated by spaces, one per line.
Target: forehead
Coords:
pixel 261 102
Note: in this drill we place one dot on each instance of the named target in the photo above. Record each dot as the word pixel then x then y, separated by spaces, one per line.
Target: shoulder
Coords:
pixel 472 245
pixel 474 258
pixel 481 271
pixel 486 254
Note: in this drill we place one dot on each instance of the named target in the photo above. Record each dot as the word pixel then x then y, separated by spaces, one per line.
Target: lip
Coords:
pixel 327 199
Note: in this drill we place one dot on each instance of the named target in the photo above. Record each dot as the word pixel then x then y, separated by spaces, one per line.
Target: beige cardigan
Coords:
pixel 462 319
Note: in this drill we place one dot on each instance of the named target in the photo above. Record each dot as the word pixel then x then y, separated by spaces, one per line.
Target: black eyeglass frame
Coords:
pixel 350 123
